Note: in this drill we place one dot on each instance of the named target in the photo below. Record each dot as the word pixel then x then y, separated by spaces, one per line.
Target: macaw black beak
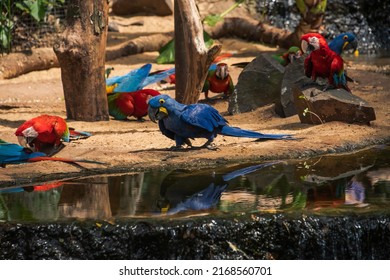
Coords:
pixel 354 44
pixel 156 114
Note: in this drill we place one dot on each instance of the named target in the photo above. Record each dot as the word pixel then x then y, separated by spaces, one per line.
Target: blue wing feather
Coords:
pixel 14 153
pixel 203 116
pixel 157 77
pixel 131 81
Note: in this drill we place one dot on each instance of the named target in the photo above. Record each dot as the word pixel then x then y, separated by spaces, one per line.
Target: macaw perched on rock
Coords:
pixel 136 79
pixel 322 61
pixel 181 122
pixel 343 42
pixel 218 81
pixel 43 130
pixel 289 56
pixel 15 154
pixel 126 104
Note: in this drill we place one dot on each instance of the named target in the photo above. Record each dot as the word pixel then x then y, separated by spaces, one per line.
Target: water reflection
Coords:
pixel 345 184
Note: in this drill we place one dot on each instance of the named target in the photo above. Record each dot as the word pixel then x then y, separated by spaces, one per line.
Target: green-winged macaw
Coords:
pixel 218 81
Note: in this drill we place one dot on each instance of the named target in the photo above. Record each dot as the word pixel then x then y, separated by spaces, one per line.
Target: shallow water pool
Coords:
pixel 328 185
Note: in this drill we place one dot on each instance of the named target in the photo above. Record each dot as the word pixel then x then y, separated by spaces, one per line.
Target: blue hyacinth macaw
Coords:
pixel 342 42
pixel 15 154
pixel 136 79
pixel 208 197
pixel 181 122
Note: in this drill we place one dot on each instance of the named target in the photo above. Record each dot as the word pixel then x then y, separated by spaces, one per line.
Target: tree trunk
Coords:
pixel 192 58
pixel 81 55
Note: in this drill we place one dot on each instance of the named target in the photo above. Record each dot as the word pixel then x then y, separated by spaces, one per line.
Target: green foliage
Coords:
pixel 167 52
pixel 212 20
pixel 318 7
pixel 37 8
pixel 6 26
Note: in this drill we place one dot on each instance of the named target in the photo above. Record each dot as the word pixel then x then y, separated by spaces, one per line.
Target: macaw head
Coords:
pixel 294 53
pixel 342 42
pixel 222 71
pixel 312 42
pixel 160 106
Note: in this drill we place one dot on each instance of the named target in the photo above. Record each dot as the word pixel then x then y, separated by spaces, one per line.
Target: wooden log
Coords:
pixel 16 64
pixel 149 43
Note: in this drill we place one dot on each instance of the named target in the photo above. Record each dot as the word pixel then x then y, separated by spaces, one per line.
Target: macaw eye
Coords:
pixel 162 101
pixel 345 37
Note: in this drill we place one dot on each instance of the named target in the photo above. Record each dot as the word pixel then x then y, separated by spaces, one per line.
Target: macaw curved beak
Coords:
pixel 157 114
pixel 304 46
pixel 351 45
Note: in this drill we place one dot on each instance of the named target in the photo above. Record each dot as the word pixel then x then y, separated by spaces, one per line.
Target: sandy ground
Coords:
pixel 126 146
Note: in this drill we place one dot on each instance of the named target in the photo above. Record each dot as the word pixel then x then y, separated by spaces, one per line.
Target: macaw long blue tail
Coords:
pixel 238 132
pixel 246 170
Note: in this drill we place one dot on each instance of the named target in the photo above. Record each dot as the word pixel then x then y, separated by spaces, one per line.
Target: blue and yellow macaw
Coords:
pixel 136 79
pixel 181 122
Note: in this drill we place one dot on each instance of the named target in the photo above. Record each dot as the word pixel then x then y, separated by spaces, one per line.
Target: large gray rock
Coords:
pixel 315 106
pixel 293 77
pixel 259 84
pixel 157 7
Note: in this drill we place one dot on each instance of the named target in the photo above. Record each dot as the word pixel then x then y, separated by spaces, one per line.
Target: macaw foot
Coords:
pixel 210 145
pixel 141 119
pixel 309 84
pixel 176 148
pixel 181 146
pixel 329 87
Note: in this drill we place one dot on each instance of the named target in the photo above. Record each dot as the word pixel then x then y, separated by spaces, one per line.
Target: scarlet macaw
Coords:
pixel 125 104
pixel 322 61
pixel 43 130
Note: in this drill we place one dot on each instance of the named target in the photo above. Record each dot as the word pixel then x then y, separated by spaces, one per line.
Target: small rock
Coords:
pixel 315 106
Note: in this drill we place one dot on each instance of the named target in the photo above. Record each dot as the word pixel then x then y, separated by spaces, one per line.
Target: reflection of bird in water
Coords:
pixel 184 191
pixel 355 192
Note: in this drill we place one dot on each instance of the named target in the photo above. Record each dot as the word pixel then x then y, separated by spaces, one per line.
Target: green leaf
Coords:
pixel 212 20
pixel 167 52
pixel 37 10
